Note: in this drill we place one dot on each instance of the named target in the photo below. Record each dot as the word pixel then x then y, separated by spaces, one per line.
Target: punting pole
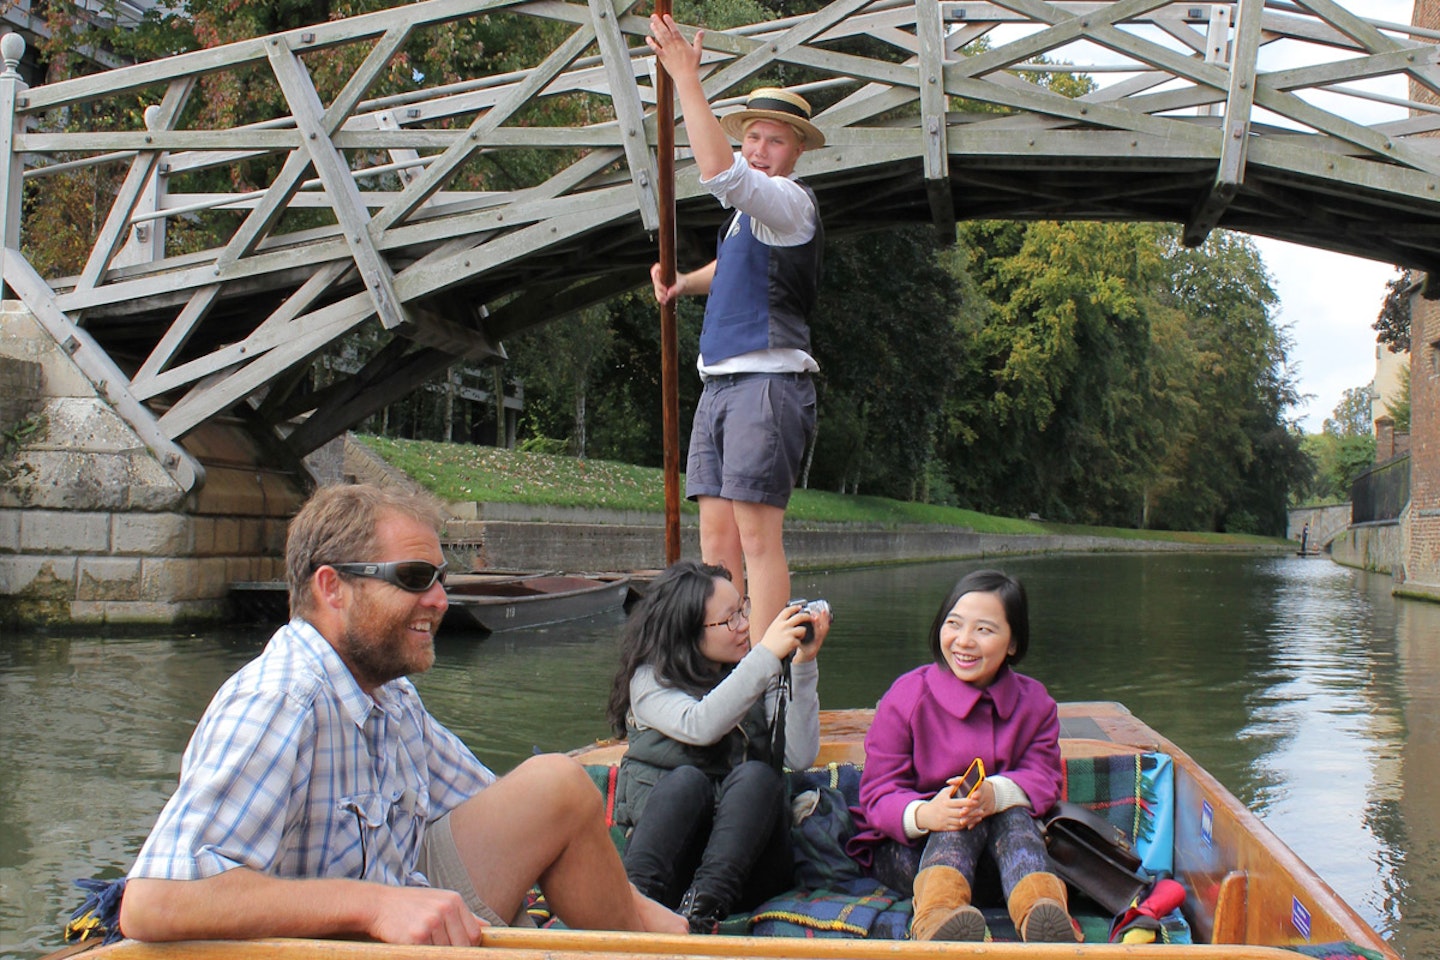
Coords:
pixel 669 339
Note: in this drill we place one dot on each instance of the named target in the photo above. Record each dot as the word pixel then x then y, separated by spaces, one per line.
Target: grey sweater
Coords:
pixel 682 717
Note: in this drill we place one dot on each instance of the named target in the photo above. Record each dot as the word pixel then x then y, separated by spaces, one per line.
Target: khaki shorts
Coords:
pixel 440 862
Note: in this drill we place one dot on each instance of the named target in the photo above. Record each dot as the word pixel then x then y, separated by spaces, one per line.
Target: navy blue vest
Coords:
pixel 761 296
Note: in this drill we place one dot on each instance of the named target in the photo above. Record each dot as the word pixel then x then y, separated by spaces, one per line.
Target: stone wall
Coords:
pixel 93 530
pixel 1378 547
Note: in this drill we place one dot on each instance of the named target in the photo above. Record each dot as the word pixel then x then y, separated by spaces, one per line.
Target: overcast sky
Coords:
pixel 1328 301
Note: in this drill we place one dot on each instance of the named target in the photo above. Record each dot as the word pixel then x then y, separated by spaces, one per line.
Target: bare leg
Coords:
pixel 762 541
pixel 544 821
pixel 720 539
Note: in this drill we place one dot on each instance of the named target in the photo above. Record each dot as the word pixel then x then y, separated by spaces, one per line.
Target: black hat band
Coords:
pixel 778 106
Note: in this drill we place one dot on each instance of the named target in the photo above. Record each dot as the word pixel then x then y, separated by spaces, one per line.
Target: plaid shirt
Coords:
pixel 296 772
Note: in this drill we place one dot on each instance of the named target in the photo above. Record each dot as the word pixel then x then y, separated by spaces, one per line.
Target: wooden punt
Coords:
pixel 1243 886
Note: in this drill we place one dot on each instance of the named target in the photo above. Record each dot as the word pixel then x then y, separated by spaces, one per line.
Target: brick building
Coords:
pixel 1422 560
pixel 1422 555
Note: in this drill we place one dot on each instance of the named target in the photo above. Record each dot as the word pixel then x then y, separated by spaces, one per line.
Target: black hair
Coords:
pixel 664 631
pixel 1012 597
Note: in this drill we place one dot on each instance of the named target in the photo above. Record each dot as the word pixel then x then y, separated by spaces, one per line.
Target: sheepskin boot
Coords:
pixel 1038 905
pixel 942 907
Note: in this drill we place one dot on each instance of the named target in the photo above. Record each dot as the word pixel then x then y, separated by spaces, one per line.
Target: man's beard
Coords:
pixel 376 647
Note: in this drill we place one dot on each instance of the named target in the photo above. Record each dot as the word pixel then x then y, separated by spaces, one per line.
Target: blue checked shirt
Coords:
pixel 296 772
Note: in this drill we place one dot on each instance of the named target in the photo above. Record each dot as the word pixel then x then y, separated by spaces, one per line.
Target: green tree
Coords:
pixel 1393 323
pixel 1351 416
pixel 887 351
pixel 1244 459
pixel 558 363
pixel 1055 415
pixel 1400 410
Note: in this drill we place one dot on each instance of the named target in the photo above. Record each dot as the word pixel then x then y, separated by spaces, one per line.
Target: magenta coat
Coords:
pixel 929 726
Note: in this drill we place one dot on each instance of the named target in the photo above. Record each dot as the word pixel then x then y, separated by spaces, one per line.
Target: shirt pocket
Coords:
pixel 362 818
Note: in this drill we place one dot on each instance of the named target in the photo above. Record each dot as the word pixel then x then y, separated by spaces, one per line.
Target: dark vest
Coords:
pixel 651 754
pixel 761 296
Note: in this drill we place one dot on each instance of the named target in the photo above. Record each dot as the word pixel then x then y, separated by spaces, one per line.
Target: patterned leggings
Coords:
pixel 1011 838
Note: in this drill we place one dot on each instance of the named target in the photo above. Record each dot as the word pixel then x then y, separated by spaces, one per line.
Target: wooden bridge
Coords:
pixel 1303 121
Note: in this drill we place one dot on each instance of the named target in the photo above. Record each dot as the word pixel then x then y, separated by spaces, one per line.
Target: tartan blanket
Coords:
pixel 1135 793
pixel 854 908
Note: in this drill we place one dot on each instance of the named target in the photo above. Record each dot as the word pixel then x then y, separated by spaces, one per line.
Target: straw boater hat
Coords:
pixel 772 103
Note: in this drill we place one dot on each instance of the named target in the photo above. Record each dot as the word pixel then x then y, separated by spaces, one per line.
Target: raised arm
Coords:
pixel 713 154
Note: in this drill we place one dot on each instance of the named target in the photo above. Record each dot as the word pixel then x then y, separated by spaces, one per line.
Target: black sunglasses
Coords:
pixel 417 576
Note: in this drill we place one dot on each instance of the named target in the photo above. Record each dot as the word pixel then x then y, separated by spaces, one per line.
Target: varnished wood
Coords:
pixel 1229 924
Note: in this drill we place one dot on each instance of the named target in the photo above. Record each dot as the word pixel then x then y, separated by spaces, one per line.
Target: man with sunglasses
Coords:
pixel 318 798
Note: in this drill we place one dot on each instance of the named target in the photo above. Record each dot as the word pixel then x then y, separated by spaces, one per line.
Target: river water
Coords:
pixel 1303 686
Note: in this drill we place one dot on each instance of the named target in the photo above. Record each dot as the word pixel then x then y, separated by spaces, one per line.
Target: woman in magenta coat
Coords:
pixel 915 828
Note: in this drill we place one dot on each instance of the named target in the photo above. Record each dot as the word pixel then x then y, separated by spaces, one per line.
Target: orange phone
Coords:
pixel 974 776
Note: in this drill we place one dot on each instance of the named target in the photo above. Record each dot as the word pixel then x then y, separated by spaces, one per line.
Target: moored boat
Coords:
pixel 488 602
pixel 495 603
pixel 1247 895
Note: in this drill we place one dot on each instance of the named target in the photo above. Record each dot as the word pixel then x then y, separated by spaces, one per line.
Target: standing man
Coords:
pixel 318 798
pixel 756 414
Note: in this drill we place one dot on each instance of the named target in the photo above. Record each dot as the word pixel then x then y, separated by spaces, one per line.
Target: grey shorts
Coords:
pixel 440 862
pixel 749 437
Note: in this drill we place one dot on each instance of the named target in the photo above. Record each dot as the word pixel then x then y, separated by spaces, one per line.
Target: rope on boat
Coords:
pixel 99 915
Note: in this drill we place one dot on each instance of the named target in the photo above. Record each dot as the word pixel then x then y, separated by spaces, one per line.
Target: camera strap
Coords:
pixel 777 725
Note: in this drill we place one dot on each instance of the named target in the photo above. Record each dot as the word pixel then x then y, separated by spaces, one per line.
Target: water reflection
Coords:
pixel 1303 686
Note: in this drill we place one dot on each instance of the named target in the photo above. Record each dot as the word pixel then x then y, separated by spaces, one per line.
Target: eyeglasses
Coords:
pixel 416 576
pixel 735 619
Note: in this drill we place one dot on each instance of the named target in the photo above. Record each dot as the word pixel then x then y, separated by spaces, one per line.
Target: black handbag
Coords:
pixel 1094 856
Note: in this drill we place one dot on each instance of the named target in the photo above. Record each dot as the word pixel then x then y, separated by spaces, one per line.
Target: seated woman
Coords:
pixel 914 828
pixel 707 717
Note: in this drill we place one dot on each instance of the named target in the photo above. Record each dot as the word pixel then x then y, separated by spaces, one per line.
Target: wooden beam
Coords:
pixel 934 129
pixel 345 199
pixel 629 111
pixel 443 167
pixel 371 394
pixel 287 182
pixel 174 338
pixel 1235 142
pixel 232 385
pixel 116 228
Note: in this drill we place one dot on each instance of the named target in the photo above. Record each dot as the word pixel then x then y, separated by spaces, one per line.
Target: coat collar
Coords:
pixel 959 697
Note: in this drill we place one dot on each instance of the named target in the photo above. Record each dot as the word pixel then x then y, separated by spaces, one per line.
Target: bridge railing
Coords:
pixel 1269 117
pixel 1382 492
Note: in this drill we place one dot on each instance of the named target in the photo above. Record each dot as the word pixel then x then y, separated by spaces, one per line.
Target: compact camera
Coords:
pixel 813 608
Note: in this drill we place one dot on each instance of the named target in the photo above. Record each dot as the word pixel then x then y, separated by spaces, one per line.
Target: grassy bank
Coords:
pixel 462 472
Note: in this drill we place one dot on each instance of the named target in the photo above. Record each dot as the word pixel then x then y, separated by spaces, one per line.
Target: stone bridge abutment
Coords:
pixel 93 529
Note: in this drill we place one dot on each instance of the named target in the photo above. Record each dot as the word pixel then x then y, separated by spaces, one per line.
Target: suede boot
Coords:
pixel 1038 905
pixel 942 907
